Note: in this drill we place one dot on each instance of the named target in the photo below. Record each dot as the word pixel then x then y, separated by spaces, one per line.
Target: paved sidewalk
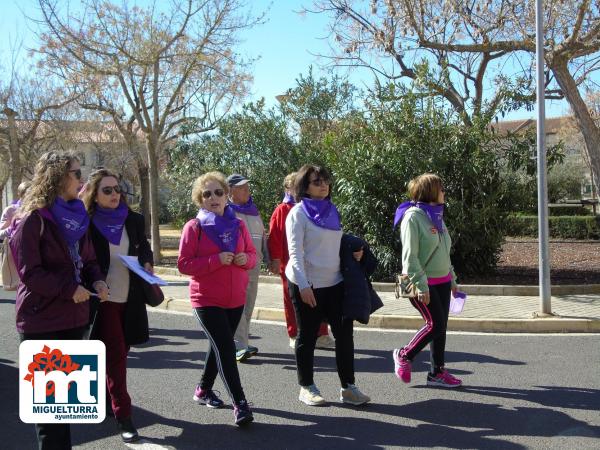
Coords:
pixel 485 313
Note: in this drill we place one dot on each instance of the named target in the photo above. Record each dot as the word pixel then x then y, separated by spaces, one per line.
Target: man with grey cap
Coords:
pixel 241 202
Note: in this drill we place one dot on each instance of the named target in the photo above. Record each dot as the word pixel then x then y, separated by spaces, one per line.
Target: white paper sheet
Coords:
pixel 132 263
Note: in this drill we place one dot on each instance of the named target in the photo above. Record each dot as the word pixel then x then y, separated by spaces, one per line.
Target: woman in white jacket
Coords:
pixel 315 283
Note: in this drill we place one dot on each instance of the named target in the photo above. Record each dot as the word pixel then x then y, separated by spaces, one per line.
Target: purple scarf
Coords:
pixel 434 212
pixel 72 221
pixel 289 199
pixel 110 222
pixel 322 213
pixel 222 230
pixel 248 208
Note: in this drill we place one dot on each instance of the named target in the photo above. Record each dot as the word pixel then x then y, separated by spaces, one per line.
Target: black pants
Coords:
pixel 220 324
pixel 54 436
pixel 329 309
pixel 434 331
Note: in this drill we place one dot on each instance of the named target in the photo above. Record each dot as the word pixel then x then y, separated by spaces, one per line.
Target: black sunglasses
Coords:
pixel 77 173
pixel 217 192
pixel 107 190
pixel 320 181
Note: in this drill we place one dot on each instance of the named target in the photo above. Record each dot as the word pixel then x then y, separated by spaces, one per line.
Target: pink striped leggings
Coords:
pixel 434 331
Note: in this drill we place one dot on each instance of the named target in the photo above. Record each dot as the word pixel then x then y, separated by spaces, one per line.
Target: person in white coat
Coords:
pixel 241 202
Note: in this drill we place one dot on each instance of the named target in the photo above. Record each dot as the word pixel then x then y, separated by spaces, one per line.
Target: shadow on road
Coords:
pixel 165 359
pixel 380 361
pixel 551 396
pixel 495 419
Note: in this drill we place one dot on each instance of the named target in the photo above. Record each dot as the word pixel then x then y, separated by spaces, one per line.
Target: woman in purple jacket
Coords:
pixel 56 264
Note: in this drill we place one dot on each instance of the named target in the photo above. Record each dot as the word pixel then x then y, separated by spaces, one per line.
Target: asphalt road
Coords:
pixel 520 391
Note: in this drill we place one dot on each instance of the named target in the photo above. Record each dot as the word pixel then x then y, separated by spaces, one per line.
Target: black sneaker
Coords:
pixel 242 413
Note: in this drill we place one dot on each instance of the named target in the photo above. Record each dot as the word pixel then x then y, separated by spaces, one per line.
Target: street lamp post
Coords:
pixel 544 258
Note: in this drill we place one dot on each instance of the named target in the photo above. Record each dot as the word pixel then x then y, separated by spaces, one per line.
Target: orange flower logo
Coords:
pixel 47 361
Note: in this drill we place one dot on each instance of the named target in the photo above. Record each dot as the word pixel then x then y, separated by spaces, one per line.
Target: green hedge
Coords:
pixel 566 227
pixel 569 210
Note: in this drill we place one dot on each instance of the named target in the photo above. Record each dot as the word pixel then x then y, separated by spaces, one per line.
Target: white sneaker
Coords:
pixel 311 396
pixel 325 341
pixel 293 343
pixel 353 396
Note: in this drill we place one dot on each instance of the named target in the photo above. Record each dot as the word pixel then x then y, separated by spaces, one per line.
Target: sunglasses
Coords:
pixel 107 190
pixel 77 173
pixel 217 192
pixel 320 182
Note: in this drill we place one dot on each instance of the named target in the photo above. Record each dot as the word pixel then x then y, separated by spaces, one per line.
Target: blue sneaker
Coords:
pixel 242 413
pixel 252 349
pixel 207 397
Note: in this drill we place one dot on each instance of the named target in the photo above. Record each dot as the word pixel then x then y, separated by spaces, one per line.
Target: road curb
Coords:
pixel 552 324
pixel 471 289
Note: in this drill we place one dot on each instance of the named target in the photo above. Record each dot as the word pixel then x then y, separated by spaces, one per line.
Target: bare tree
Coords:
pixel 173 70
pixel 28 102
pixel 464 36
pixel 384 36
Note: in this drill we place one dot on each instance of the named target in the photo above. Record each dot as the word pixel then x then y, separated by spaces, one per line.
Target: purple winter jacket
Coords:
pixel 45 293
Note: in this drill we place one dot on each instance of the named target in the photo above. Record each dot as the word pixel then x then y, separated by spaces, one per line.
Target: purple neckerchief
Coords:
pixel 71 218
pixel 248 208
pixel 16 202
pixel 322 213
pixel 289 199
pixel 222 230
pixel 400 211
pixel 434 212
pixel 110 222
pixel 72 221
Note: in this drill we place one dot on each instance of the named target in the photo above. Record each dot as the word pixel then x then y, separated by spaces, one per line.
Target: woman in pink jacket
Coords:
pixel 217 251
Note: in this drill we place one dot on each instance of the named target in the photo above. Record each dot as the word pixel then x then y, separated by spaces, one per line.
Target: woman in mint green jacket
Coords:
pixel 426 260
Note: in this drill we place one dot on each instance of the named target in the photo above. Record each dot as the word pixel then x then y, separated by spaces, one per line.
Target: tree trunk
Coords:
pixel 152 145
pixel 13 147
pixel 144 177
pixel 583 118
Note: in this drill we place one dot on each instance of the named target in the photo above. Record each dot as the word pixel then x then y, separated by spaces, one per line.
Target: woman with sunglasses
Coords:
pixel 216 250
pixel 314 234
pixel 278 252
pixel 57 265
pixel 121 322
pixel 426 248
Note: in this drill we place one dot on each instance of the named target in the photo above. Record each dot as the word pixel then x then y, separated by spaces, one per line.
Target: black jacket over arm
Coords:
pixel 136 319
pixel 360 299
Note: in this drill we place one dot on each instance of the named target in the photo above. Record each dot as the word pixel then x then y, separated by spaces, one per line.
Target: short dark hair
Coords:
pixel 302 180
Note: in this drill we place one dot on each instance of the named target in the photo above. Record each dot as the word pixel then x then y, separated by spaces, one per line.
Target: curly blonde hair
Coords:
pixel 288 181
pixel 49 179
pixel 202 180
pixel 91 188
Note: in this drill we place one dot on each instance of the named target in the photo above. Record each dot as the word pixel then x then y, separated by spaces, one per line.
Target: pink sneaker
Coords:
pixel 443 379
pixel 402 366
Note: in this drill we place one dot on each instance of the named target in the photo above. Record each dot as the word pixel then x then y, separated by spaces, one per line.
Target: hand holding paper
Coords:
pixel 132 263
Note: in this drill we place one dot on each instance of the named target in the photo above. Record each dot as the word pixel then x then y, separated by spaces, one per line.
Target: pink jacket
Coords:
pixel 212 283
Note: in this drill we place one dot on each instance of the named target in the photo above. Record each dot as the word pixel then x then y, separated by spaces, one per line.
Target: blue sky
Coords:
pixel 286 45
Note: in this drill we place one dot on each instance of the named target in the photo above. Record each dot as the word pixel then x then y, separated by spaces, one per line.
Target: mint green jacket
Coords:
pixel 420 240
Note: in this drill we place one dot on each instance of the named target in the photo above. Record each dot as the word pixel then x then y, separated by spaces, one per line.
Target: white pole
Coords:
pixel 544 258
